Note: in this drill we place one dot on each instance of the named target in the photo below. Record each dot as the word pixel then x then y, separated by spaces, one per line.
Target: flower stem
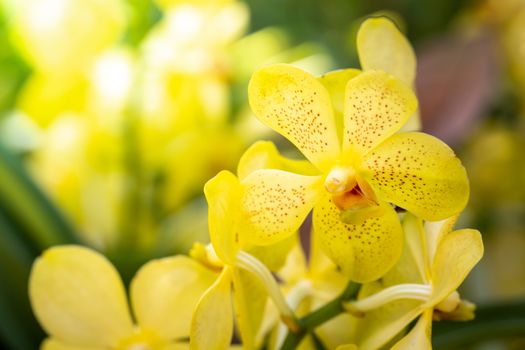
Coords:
pixel 325 313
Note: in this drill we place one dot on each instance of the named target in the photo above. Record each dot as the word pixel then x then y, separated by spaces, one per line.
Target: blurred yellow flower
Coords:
pixel 376 166
pixel 79 164
pixel 63 36
pixel 80 301
pixel 513 40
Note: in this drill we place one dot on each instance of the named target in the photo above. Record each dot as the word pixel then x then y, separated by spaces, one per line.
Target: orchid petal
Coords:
pixel 223 194
pixel 335 82
pixel 381 46
pixel 296 105
pixel 420 173
pixel 53 344
pixel 419 336
pixel 264 155
pixel 78 297
pixel 413 265
pixel 166 287
pixel 277 202
pixel 212 323
pixel 457 254
pixel 434 233
pixel 250 301
pixel 364 251
pixel 376 106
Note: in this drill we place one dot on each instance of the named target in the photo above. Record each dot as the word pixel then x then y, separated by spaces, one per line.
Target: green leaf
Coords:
pixel 18 327
pixel 37 219
pixel 29 223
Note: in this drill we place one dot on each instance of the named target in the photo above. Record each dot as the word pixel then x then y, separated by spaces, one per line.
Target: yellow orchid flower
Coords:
pixel 422 284
pixel 212 324
pixel 373 167
pixel 80 301
pixel 78 162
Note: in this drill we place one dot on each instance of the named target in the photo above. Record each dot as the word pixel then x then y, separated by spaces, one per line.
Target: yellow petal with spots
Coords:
pixel 376 106
pixel 296 105
pixel 420 173
pixel 364 251
pixel 223 194
pixel 456 255
pixel 212 323
pixel 276 203
pixel 264 155
pixel 381 46
pixel 335 82
pixel 249 298
pixel 53 344
pixel 78 297
pixel 166 287
pixel 419 336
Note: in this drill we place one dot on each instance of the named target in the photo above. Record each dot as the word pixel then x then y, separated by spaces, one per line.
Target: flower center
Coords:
pixel 348 193
pixel 353 199
pixel 340 179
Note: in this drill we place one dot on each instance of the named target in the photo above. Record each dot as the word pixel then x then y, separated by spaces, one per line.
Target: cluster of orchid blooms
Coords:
pixel 381 248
